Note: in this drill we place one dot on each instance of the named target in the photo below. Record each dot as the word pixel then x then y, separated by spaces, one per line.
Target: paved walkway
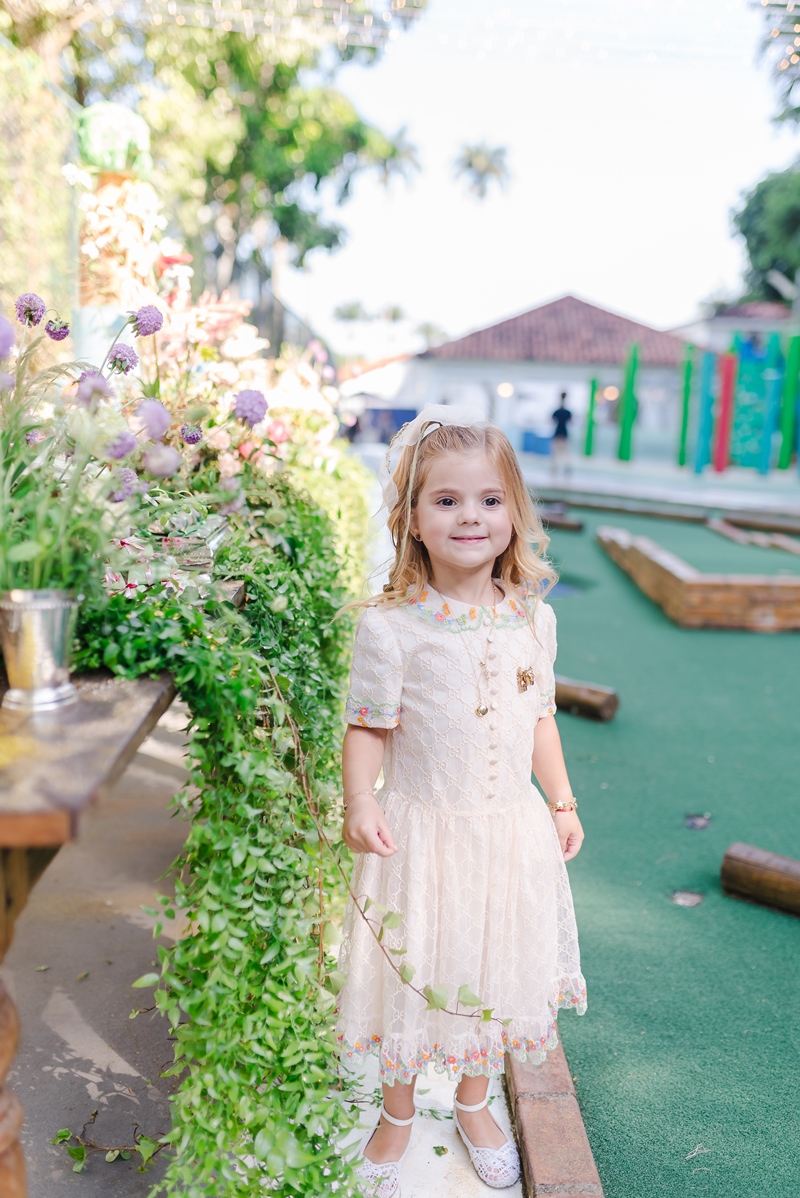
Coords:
pixel 79 944
pixel 438 1165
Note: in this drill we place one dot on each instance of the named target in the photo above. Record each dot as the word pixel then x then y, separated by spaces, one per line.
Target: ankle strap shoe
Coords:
pixel 384 1178
pixel 496 1167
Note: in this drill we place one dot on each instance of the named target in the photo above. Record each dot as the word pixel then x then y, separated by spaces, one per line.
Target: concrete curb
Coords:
pixel 553 1145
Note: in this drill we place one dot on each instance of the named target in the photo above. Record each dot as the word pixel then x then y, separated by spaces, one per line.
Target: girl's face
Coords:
pixel 461 514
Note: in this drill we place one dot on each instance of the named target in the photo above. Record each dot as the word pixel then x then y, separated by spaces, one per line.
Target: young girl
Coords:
pixel 452 673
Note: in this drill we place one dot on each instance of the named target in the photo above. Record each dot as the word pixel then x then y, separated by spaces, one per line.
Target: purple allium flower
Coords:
pixel 57 329
pixel 123 444
pixel 147 320
pixel 233 505
pixel 34 436
pixel 192 436
pixel 123 358
pixel 155 418
pixel 328 374
pixel 7 381
pixel 250 407
pixel 161 460
pixel 30 308
pixel 92 386
pixel 317 351
pixel 126 480
pixel 7 337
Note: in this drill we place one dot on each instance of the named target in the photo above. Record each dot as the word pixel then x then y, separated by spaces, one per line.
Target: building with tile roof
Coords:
pixel 518 368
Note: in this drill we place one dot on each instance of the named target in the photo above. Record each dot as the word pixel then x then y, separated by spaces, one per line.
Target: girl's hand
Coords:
pixel 365 829
pixel 570 832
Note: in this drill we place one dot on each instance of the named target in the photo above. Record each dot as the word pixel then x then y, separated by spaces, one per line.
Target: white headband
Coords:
pixel 434 415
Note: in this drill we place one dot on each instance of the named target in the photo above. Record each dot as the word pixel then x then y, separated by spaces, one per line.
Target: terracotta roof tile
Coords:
pixel 758 310
pixel 567 330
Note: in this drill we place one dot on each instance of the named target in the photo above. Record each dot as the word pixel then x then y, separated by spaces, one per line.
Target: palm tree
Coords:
pixel 482 165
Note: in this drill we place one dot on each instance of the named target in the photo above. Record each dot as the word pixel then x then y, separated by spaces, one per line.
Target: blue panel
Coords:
pixel 533 443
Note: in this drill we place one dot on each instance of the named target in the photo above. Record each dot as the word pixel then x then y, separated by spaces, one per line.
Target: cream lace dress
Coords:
pixel 478 876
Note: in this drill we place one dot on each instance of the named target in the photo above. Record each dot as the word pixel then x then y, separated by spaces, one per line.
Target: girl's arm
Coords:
pixel 551 773
pixel 365 829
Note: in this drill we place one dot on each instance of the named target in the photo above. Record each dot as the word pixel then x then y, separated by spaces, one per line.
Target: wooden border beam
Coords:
pixel 758 603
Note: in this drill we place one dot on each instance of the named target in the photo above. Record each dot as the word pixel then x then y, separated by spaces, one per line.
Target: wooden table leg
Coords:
pixel 12 1163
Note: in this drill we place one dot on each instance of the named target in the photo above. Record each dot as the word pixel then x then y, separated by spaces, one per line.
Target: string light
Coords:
pixel 370 23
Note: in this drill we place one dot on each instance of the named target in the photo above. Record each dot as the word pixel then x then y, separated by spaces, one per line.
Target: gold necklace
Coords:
pixel 482 708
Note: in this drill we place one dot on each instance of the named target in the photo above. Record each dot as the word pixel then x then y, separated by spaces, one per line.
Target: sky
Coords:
pixel 633 127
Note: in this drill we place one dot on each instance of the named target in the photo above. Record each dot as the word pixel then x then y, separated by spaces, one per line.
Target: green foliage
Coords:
pixel 769 222
pixel 241 989
pixel 238 124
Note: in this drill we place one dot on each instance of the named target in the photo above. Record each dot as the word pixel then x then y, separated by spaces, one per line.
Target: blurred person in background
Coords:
pixel 560 457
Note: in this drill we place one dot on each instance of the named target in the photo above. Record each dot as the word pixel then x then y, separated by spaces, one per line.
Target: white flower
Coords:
pixel 229 464
pixel 219 439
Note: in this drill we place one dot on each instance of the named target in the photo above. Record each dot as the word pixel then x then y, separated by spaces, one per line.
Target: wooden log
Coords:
pixel 762 877
pixel 556 517
pixel 586 698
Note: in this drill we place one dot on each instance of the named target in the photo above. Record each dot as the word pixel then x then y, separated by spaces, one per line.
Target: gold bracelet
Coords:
pixel 561 805
pixel 356 793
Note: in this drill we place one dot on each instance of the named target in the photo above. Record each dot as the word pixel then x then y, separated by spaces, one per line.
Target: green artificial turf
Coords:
pixel 707 551
pixel 692 1036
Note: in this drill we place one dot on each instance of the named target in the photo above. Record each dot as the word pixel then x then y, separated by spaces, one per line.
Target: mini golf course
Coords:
pixel 687 1062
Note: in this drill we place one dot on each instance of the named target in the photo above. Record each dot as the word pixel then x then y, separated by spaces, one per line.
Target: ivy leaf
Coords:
pixel 61 1136
pixel 147 979
pixel 398 952
pixel 392 919
pixel 112 1154
pixel 147 1147
pixel 407 972
pixel 335 980
pixel 436 997
pixel 467 998
pixel 78 1154
pixel 486 1015
pixel 440 1149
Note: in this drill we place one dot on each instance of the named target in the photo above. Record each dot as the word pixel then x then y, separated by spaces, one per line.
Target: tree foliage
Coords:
pixel 769 222
pixel 251 140
pixel 482 166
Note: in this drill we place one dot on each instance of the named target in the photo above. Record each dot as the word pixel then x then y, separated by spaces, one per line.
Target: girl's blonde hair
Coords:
pixel 522 566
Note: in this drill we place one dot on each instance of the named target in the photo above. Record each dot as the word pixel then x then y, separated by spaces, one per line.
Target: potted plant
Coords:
pixel 63 493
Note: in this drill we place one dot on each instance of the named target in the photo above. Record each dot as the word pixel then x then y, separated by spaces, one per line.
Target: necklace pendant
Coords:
pixel 482 709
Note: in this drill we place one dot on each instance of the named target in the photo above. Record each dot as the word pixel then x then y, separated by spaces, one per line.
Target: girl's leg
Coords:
pixel 479 1125
pixel 389 1142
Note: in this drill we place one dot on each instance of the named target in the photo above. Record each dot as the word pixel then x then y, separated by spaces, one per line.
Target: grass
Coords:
pixel 691 1038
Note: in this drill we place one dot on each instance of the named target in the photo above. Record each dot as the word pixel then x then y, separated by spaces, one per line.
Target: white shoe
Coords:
pixel 497 1167
pixel 384 1178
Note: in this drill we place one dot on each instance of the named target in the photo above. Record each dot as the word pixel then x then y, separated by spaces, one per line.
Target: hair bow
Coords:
pixel 431 417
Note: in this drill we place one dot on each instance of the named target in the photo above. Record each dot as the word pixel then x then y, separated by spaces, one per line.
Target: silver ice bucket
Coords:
pixel 36 629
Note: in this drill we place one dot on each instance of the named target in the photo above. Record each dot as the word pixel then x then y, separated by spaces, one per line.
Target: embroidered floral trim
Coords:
pixel 548 704
pixel 473 618
pixel 479 1061
pixel 372 715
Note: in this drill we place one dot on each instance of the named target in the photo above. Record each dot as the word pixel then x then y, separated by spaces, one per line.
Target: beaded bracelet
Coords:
pixel 571 805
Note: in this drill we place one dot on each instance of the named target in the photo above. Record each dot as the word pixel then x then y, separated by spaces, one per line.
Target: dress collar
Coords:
pixel 456 616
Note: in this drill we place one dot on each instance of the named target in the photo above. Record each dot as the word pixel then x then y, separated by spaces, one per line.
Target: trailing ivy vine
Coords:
pixel 258 1104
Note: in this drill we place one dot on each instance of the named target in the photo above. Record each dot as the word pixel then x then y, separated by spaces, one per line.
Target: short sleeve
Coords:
pixel 546 679
pixel 376 675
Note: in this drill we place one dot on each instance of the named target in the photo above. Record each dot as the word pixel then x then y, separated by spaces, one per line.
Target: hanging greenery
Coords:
pixel 241 987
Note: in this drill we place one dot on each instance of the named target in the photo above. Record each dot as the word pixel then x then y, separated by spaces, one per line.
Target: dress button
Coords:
pixel 487 621
pixel 493 705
